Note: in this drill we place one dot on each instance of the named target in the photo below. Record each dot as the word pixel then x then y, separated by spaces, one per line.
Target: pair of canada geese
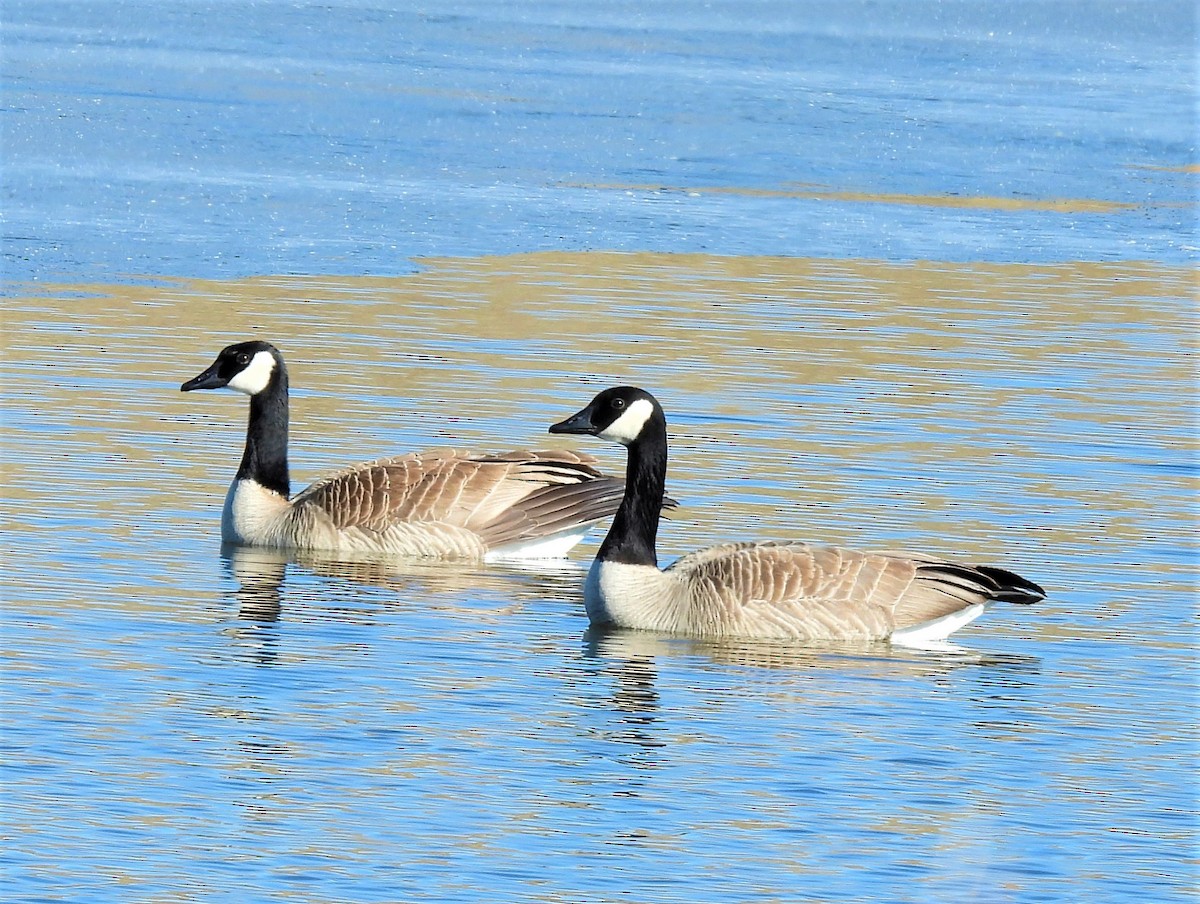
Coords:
pixel 521 504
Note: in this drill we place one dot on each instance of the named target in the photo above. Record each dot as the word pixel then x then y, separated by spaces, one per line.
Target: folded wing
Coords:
pixel 502 498
pixel 828 592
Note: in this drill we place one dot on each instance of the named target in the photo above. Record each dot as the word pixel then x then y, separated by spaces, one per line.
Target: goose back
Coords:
pixel 454 503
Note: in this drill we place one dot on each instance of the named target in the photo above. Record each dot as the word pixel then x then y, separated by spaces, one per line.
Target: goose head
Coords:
pixel 624 414
pixel 249 367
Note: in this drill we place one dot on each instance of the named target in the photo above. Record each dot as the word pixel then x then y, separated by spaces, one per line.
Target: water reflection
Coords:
pixel 261 574
pixel 635 707
pixel 867 658
pixel 809 676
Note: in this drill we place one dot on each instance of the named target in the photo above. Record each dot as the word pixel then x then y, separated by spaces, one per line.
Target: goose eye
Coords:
pixel 243 358
pixel 618 404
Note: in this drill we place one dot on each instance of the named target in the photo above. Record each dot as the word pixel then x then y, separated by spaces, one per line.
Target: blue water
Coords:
pixel 181 723
pixel 225 139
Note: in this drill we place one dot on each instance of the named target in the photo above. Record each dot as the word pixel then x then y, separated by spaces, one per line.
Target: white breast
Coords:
pixel 253 515
pixel 632 596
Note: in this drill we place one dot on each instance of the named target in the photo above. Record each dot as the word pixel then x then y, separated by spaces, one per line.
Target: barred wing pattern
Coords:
pixel 500 499
pixel 828 593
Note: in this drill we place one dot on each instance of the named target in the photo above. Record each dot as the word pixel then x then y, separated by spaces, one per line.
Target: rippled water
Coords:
pixel 1009 383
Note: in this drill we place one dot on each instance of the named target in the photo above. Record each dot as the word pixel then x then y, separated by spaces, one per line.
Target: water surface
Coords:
pixel 916 275
pixel 223 138
pixel 328 731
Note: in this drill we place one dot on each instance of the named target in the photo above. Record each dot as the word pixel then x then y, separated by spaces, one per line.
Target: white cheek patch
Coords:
pixel 628 427
pixel 254 377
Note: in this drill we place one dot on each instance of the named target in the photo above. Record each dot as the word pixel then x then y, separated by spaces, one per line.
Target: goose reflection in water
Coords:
pixel 808 676
pixel 261 574
pixel 872 658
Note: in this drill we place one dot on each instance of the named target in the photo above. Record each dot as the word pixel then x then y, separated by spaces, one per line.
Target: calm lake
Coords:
pixel 904 275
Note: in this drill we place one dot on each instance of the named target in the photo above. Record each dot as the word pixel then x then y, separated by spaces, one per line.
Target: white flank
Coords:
pixel 252 515
pixel 937 630
pixel 254 377
pixel 628 426
pixel 556 546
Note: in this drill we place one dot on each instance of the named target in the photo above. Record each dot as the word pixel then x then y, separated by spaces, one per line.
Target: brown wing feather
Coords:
pixel 502 497
pixel 794 589
pixel 827 591
pixel 376 493
pixel 554 509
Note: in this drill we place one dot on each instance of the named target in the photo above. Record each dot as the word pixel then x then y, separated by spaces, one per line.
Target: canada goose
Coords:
pixel 443 503
pixel 763 590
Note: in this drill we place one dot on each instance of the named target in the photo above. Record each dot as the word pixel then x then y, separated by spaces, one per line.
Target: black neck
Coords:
pixel 631 539
pixel 265 459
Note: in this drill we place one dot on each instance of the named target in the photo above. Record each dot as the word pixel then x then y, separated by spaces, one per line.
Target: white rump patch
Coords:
pixel 628 426
pixel 254 377
pixel 935 631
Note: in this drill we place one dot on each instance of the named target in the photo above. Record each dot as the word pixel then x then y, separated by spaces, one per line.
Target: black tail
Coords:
pixel 1012 588
pixel 968 581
